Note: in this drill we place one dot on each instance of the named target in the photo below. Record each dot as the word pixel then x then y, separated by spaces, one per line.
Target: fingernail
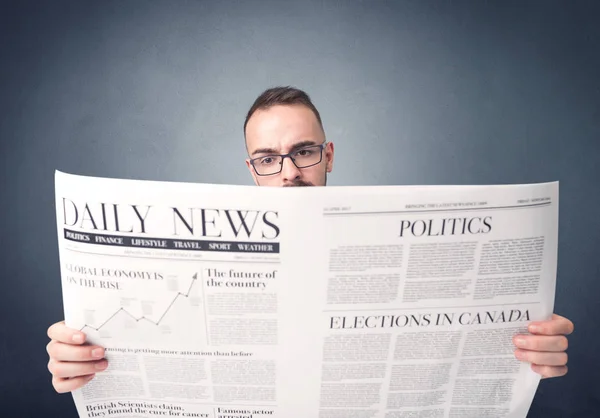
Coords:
pixel 519 355
pixel 90 377
pixel 97 353
pixel 520 342
pixel 78 338
pixel 101 365
pixel 535 328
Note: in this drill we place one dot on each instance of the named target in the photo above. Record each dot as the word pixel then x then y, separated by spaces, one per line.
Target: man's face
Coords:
pixel 283 129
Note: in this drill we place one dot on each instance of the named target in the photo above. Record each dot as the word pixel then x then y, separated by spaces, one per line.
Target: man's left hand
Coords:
pixel 546 348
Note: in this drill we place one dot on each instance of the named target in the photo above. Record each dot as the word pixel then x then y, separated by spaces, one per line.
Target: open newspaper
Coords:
pixel 311 302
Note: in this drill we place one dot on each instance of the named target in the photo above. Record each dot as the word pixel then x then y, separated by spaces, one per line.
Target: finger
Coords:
pixel 60 332
pixel 70 369
pixel 558 325
pixel 542 358
pixel 553 343
pixel 550 371
pixel 67 352
pixel 67 385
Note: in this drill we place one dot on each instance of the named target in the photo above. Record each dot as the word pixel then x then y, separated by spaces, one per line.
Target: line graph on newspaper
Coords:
pixel 150 302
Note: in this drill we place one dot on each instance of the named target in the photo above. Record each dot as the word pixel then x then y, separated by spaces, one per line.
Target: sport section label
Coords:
pixel 172 244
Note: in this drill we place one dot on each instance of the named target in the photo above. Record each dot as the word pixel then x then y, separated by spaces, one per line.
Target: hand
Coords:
pixel 72 363
pixel 545 348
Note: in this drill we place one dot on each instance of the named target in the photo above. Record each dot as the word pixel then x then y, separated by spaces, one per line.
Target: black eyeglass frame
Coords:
pixel 289 155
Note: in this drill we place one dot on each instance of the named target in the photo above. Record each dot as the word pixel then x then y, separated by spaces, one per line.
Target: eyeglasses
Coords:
pixel 268 165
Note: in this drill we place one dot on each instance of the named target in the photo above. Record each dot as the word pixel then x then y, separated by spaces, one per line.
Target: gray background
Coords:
pixel 411 92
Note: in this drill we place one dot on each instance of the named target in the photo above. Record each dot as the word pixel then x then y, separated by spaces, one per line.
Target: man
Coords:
pixel 286 145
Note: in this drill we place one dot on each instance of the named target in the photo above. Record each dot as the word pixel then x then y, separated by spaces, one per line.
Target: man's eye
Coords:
pixel 304 153
pixel 266 161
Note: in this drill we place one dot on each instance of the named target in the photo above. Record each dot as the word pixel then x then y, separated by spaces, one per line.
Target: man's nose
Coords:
pixel 289 171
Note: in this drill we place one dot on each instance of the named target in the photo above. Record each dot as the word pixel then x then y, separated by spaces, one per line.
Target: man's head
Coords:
pixel 283 120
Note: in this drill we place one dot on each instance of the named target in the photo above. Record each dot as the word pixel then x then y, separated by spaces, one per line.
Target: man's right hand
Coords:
pixel 72 362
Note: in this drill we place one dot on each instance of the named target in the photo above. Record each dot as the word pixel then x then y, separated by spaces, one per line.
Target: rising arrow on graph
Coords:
pixel 125 311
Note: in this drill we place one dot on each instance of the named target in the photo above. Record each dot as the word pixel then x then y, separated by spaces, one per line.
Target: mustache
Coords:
pixel 298 183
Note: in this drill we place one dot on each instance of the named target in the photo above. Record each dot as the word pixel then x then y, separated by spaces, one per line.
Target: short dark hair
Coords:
pixel 284 95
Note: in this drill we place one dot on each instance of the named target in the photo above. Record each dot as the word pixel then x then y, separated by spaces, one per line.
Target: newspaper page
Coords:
pixel 179 283
pixel 338 302
pixel 410 300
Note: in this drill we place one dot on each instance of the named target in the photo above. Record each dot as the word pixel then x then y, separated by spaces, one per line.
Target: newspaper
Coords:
pixel 312 302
